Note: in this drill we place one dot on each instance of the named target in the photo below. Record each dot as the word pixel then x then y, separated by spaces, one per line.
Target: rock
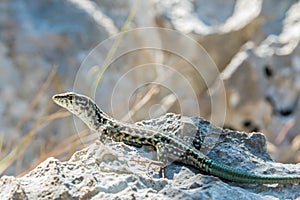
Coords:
pixel 221 33
pixel 38 35
pixel 267 99
pixel 115 170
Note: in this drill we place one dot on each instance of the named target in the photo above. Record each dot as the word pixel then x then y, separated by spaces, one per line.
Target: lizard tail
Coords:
pixel 231 174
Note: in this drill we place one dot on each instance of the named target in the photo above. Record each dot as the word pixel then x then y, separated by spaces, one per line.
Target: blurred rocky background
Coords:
pixel 43 45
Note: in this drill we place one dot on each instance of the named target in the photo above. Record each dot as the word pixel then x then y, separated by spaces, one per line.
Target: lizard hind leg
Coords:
pixel 162 156
pixel 167 154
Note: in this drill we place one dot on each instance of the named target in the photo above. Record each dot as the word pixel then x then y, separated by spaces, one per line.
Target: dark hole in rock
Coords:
pixel 286 112
pixel 255 129
pixel 268 71
pixel 247 123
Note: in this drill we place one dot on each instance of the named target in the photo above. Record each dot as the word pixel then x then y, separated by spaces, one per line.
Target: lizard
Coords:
pixel 168 147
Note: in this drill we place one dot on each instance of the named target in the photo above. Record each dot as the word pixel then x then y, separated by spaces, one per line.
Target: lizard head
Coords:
pixel 83 107
pixel 73 102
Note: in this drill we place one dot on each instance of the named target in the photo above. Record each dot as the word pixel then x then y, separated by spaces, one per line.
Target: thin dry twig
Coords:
pixel 35 99
pixel 285 129
pixel 22 144
pixel 152 91
pixel 18 150
pixel 116 44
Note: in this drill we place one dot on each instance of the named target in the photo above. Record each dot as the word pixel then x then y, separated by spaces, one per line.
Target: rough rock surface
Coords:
pixel 256 41
pixel 117 171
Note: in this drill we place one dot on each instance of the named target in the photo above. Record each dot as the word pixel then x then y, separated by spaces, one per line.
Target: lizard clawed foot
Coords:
pixel 161 166
pixel 157 163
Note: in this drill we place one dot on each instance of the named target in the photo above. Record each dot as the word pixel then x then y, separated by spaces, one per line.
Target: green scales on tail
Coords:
pixel 168 147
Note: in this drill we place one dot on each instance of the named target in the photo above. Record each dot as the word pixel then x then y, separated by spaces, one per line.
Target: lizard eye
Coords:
pixel 70 98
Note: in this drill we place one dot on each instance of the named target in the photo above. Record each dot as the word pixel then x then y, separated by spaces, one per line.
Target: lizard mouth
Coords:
pixel 55 98
pixel 58 98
